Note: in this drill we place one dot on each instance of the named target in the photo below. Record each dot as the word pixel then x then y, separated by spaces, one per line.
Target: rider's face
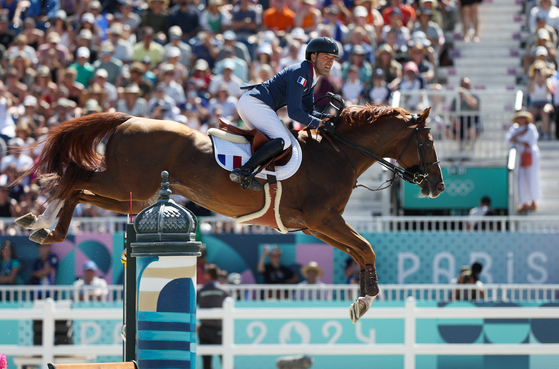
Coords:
pixel 323 63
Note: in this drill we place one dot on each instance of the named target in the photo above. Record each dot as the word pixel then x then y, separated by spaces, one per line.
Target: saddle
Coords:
pixel 256 139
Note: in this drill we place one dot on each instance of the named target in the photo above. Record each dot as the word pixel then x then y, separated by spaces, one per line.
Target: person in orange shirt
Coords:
pixel 408 13
pixel 279 17
pixel 308 16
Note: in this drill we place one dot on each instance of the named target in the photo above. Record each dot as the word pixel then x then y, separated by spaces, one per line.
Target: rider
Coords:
pixel 293 86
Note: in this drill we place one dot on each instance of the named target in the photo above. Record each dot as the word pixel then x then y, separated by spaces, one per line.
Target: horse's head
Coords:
pixel 419 157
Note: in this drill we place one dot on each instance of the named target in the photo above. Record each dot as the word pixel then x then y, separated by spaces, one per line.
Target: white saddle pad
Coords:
pixel 230 155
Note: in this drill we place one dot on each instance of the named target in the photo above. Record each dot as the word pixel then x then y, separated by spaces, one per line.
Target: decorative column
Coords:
pixel 166 251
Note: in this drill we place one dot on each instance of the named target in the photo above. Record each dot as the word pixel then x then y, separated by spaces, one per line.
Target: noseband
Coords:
pixel 414 177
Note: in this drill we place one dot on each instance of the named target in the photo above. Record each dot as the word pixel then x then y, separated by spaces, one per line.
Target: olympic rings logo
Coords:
pixel 458 187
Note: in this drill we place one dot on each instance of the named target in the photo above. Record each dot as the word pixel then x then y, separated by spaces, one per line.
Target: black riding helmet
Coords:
pixel 321 45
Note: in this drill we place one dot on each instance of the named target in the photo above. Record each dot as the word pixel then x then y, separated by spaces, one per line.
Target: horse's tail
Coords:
pixel 69 153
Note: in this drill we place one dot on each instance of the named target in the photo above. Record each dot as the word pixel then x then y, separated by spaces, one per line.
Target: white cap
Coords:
pixel 102 73
pixel 30 101
pixel 88 17
pixel 173 52
pixel 541 50
pixel 360 11
pixel 83 52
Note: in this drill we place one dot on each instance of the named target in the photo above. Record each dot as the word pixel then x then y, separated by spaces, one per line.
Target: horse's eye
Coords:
pixel 429 143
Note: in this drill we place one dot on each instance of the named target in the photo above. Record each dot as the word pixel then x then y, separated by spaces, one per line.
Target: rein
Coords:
pixel 329 127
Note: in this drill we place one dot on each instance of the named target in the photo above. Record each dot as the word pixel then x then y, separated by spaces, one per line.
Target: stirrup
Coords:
pixel 368 281
pixel 251 182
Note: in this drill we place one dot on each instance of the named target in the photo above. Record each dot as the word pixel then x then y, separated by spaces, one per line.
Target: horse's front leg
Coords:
pixel 335 231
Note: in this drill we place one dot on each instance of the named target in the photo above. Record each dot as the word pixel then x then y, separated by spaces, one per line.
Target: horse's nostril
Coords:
pixel 441 186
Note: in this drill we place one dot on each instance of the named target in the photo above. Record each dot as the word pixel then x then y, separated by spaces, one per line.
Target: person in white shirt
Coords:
pixel 90 287
pixel 312 273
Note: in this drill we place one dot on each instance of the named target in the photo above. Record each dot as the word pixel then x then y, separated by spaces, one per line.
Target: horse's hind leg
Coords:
pixel 45 220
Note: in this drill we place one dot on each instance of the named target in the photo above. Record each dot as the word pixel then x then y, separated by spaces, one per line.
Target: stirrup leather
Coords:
pixel 368 281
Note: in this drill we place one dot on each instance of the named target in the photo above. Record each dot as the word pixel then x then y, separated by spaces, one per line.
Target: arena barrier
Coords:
pixel 295 318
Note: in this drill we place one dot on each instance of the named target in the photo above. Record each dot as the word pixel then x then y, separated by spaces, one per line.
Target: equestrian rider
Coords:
pixel 293 86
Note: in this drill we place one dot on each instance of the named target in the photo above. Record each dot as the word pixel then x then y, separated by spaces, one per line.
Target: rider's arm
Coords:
pixel 297 81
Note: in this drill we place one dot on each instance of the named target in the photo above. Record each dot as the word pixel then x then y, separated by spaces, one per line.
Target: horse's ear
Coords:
pixel 422 118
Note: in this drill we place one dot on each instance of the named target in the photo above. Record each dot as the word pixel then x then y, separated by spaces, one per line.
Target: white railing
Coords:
pixel 229 349
pixel 222 224
pixel 329 292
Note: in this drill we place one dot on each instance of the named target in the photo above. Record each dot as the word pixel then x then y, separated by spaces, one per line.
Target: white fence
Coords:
pixel 49 312
pixel 222 224
pixel 328 292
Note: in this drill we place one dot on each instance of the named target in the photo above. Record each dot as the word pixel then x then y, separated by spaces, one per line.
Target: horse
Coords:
pixel 139 149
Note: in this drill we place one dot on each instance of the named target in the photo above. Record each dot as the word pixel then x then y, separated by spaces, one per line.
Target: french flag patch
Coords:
pixel 230 161
pixel 302 81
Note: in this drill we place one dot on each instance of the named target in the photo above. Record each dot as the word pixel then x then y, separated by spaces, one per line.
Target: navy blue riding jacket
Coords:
pixel 292 86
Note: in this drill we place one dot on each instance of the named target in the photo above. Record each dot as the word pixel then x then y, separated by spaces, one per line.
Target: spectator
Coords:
pixel 380 92
pixel 118 36
pixel 132 103
pixel 214 19
pixel 44 267
pixel 292 56
pixel 357 38
pixel 156 17
pixel 308 16
pixel 7 124
pixel 83 68
pixel 523 135
pixel 312 273
pixel 352 87
pixel 278 18
pixel 89 34
pixel 175 35
pixel 546 8
pixel 412 82
pixel 172 56
pixel 540 91
pixel 23 66
pixel 16 88
pixel 469 276
pixel 466 127
pixel 34 36
pixel 264 56
pixel 337 30
pixel 227 103
pixel 97 93
pixel 8 205
pixel 75 88
pixel 211 295
pixel 171 87
pixel 368 32
pixel 20 45
pixel 44 81
pixel 101 78
pixel 109 63
pixel 274 272
pixel 201 75
pixel 9 265
pixel 227 77
pixel 351 271
pixel 406 13
pixel 63 28
pixel 391 68
pixel 64 110
pixel 137 76
pixel 431 29
pixel 90 287
pixel 127 16
pixel 358 59
pixel 483 209
pixel 6 35
pixel 397 27
pixel 185 15
pixel 91 106
pixel 246 19
pixel 162 105
pixel 263 74
pixel 148 47
pixel 53 54
pixel 16 157
pixel 206 47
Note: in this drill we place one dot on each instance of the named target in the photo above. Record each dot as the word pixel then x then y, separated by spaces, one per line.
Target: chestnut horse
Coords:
pixel 139 149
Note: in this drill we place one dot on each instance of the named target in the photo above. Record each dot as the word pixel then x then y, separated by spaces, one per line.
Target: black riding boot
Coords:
pixel 244 175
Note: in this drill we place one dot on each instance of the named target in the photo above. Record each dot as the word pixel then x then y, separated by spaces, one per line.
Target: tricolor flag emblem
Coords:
pixel 230 161
pixel 302 81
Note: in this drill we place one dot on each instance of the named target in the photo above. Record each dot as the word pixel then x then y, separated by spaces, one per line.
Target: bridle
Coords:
pixel 414 177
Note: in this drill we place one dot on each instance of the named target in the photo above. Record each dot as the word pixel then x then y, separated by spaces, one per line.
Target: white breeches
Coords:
pixel 258 115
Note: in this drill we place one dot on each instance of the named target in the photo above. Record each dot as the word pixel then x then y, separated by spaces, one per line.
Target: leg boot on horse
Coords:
pixel 369 289
pixel 244 174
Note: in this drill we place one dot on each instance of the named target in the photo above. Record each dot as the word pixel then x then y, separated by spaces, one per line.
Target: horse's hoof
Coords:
pixel 39 236
pixel 358 309
pixel 26 220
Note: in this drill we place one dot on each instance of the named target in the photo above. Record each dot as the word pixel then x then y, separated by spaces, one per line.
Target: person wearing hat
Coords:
pixel 90 287
pixel 357 76
pixel 108 62
pixel 360 22
pixel 338 30
pixel 412 82
pixel 227 77
pixel 292 87
pixel 52 53
pixel 523 135
pixel 406 13
pixel 91 106
pixel 131 102
pixel 214 19
pixel 101 78
pixel 358 37
pixel 64 110
pixel 118 35
pixel 469 275
pixel 127 16
pixel 137 72
pixel 274 272
pixel 546 8
pixel 202 75
pixel 162 105
pixel 98 93
pixel 241 50
pixel 312 273
pixel 227 103
pixel 24 68
pixel 21 46
pixel 148 47
pixel 44 267
pixel 84 70
pixel 16 157
pixel 63 27
pixel 172 55
pixel 170 85
pixel 241 67
pixel 175 40
pixel 433 32
pixel 419 55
